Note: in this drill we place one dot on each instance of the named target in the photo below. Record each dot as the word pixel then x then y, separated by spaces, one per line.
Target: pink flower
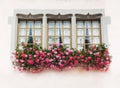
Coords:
pixel 90 52
pixel 89 58
pixel 75 62
pixel 21 60
pixel 37 60
pixel 47 60
pixel 30 61
pixel 107 62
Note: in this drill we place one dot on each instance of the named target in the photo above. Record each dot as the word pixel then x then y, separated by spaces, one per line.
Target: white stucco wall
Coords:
pixel 66 79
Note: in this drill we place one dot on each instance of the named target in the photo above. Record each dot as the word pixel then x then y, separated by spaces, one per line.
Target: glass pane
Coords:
pixel 80 24
pixel 57 40
pixel 80 40
pixel 37 32
pixel 67 45
pixel 96 32
pixel 80 32
pixel 37 40
pixel 58 24
pixel 58 32
pixel 51 32
pixel 50 40
pixel 22 39
pixel 96 40
pixel 88 39
pixel 22 32
pixel 66 32
pixel 88 32
pixel 30 24
pixel 66 24
pixel 87 24
pixel 37 24
pixel 66 40
pixel 28 31
pixel 22 24
pixel 95 24
pixel 80 47
pixel 51 24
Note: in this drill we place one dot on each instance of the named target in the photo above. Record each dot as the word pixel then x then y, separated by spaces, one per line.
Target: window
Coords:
pixel 59 30
pixel 29 29
pixel 88 30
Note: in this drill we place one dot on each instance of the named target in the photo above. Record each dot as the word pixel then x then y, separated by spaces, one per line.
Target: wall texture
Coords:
pixel 9 78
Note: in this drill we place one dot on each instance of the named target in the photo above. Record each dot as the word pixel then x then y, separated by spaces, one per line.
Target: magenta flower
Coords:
pixel 30 61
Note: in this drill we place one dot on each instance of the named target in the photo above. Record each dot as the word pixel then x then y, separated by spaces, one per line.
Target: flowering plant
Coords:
pixel 59 57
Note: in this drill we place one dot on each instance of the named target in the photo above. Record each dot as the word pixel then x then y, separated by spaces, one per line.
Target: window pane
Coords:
pixel 58 24
pixel 51 32
pixel 66 24
pixel 87 24
pixel 80 32
pixel 22 39
pixel 37 32
pixel 96 32
pixel 28 31
pixel 96 40
pixel 22 24
pixel 37 24
pixel 88 32
pixel 50 40
pixel 57 40
pixel 95 24
pixel 67 45
pixel 22 32
pixel 66 32
pixel 51 24
pixel 80 40
pixel 66 40
pixel 30 24
pixel 37 40
pixel 80 47
pixel 58 32
pixel 80 24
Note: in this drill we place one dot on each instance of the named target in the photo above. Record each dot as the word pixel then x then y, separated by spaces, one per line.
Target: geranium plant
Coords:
pixel 58 57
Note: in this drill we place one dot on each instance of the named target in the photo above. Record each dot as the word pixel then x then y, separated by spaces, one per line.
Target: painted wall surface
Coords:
pixel 9 78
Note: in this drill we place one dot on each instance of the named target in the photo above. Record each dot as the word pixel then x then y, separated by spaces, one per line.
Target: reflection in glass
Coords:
pixel 22 32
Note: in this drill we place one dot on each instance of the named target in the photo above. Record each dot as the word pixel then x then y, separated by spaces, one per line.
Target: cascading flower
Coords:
pixel 59 57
